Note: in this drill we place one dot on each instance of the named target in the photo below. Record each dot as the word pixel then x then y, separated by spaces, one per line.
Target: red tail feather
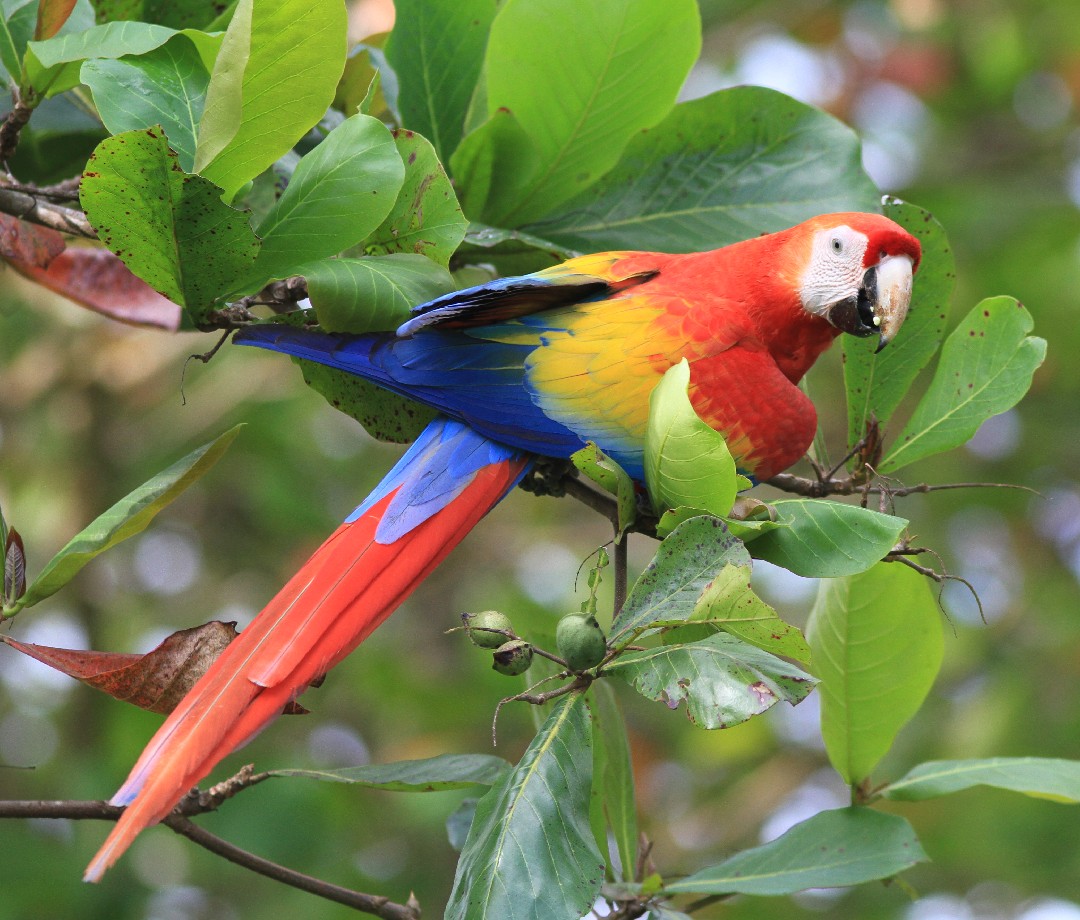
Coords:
pixel 348 587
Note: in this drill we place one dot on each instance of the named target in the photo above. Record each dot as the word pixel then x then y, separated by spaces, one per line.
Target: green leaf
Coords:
pixel 52 66
pixel 433 774
pixel 530 853
pixel 126 518
pixel 373 294
pixel 684 566
pixel 613 773
pixel 877 645
pixel 729 604
pixel 611 477
pixel 985 368
pixel 338 194
pixel 179 14
pixel 723 680
pixel 169 228
pixel 510 251
pixel 1041 777
pixel 620 68
pixel 273 80
pixel 384 415
pixel 426 218
pixel 833 849
pixel 437 52
pixel 686 461
pixel 826 539
pixel 166 86
pixel 459 822
pixel 719 169
pixel 9 54
pixel 876 383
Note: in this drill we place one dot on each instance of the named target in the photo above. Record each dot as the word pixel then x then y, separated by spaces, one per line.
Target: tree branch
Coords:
pixel 36 208
pixel 851 485
pixel 197 803
pixel 376 905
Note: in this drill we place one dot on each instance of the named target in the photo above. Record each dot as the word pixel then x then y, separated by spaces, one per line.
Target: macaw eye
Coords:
pixel 837 244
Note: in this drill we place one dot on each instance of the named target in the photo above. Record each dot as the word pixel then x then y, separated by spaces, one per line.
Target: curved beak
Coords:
pixel 881 304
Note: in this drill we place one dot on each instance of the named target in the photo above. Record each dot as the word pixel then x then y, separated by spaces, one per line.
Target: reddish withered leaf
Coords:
pixel 156 681
pixel 52 14
pixel 14 566
pixel 97 279
pixel 28 243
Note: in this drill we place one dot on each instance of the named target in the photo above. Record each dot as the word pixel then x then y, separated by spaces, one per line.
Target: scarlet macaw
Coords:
pixel 518 367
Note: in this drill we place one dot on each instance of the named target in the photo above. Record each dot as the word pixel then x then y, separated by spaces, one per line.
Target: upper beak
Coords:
pixel 881 304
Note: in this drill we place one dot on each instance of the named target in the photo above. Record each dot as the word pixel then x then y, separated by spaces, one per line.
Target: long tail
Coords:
pixel 436 494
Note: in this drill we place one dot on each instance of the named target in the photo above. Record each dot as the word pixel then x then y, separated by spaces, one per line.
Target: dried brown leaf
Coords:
pixel 97 279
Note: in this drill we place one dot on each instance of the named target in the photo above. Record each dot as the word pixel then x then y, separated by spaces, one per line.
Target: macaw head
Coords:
pixel 858 273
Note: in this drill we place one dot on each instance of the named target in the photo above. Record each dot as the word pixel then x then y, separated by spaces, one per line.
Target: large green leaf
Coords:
pixel 126 518
pixel 437 52
pixel 727 167
pixel 426 218
pixel 338 194
pixel 723 680
pixel 530 853
pixel 621 65
pixel 876 382
pixel 985 368
pixel 433 774
pixel 52 66
pixel 684 566
pixel 273 80
pixel 826 539
pixel 833 849
pixel 169 228
pixel 613 777
pixel 1041 777
pixel 877 645
pixel 729 604
pixel 166 86
pixel 372 294
pixel 686 461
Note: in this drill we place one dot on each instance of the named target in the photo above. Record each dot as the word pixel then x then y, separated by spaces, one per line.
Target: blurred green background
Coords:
pixel 968 109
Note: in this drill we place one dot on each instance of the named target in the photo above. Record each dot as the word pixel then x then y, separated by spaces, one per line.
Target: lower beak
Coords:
pixel 881 303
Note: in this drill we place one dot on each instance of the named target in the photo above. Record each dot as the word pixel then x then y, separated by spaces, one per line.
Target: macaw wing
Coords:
pixel 579 280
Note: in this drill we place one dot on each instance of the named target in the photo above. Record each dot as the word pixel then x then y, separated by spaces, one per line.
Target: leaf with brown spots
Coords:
pixel 170 228
pixel 986 367
pixel 723 680
pixel 98 280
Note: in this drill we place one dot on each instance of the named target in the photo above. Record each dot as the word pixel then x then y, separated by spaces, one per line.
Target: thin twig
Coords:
pixel 376 905
pixel 814 488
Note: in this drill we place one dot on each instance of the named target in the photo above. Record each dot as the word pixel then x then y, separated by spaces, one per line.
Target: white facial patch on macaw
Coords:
pixel 836 268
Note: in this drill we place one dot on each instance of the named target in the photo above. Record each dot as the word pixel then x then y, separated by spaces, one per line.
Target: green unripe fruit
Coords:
pixel 581 641
pixel 478 625
pixel 513 657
